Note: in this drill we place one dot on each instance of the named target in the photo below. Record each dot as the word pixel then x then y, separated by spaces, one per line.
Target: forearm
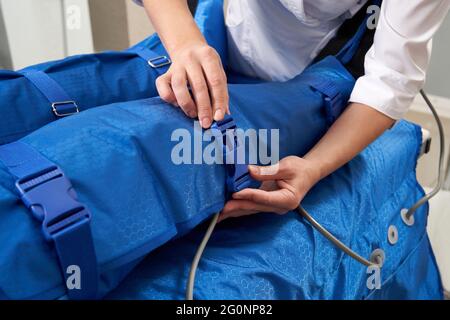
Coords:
pixel 196 81
pixel 358 126
pixel 174 23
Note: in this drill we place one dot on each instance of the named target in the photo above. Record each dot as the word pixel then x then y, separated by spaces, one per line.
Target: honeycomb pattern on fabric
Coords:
pixel 118 158
pixel 281 257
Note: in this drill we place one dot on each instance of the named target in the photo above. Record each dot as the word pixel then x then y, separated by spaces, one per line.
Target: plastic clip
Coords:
pixel 333 106
pixel 238 177
pixel 50 197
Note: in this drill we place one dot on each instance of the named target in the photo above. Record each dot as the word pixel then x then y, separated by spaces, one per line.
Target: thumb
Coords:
pixel 266 173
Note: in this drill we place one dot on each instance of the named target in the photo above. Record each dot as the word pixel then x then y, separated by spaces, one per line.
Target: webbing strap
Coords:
pixel 238 176
pixel 160 63
pixel 334 101
pixel 347 52
pixel 49 195
pixel 62 104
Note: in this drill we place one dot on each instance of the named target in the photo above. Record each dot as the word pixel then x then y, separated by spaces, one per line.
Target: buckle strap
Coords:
pixel 62 104
pixel 38 193
pixel 334 107
pixel 49 195
pixel 65 108
pixel 346 54
pixel 238 177
pixel 157 61
pixel 334 101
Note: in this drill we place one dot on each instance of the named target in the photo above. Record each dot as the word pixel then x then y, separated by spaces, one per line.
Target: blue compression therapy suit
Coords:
pixel 131 184
pixel 90 80
pixel 268 256
pixel 118 160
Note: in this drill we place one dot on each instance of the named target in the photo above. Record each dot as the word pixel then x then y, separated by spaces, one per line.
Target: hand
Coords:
pixel 199 67
pixel 283 188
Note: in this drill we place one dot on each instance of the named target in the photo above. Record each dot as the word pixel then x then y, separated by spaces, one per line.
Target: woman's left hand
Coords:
pixel 284 186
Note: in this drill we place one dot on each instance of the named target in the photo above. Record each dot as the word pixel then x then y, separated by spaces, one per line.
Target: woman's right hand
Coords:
pixel 196 67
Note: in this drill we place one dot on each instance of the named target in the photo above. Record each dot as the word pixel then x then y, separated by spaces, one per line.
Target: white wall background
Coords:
pixel 438 82
pixel 33 30
pixel 36 31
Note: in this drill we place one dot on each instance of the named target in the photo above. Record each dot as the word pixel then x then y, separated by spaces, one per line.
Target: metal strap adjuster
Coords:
pixel 65 108
pixel 159 62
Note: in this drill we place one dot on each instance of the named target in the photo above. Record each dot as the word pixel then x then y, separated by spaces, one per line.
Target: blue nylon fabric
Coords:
pixel 27 164
pixel 22 161
pixel 47 86
pixel 92 80
pixel 160 63
pixel 283 257
pixel 119 162
pixel 416 279
pixel 118 159
pixel 130 143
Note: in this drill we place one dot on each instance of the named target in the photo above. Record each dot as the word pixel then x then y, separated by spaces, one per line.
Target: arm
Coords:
pixel 358 126
pixel 395 71
pixel 281 192
pixel 194 63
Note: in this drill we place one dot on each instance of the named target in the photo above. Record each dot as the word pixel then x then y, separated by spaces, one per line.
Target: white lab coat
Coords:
pixel 277 39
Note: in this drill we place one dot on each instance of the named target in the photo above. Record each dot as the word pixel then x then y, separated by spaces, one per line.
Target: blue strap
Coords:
pixel 238 177
pixel 62 104
pixel 333 99
pixel 346 54
pixel 49 195
pixel 160 63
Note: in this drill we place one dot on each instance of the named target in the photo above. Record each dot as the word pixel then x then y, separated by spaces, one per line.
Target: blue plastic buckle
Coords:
pixel 159 62
pixel 65 108
pixel 51 198
pixel 333 105
pixel 238 177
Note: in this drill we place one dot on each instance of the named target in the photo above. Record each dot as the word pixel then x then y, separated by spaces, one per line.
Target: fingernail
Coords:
pixel 218 115
pixel 254 169
pixel 236 196
pixel 228 112
pixel 192 115
pixel 269 170
pixel 205 122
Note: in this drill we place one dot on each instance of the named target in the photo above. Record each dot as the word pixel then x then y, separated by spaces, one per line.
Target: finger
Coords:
pixel 238 208
pixel 274 172
pixel 234 214
pixel 165 90
pixel 201 95
pixel 269 185
pixel 225 216
pixel 217 83
pixel 280 201
pixel 181 91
